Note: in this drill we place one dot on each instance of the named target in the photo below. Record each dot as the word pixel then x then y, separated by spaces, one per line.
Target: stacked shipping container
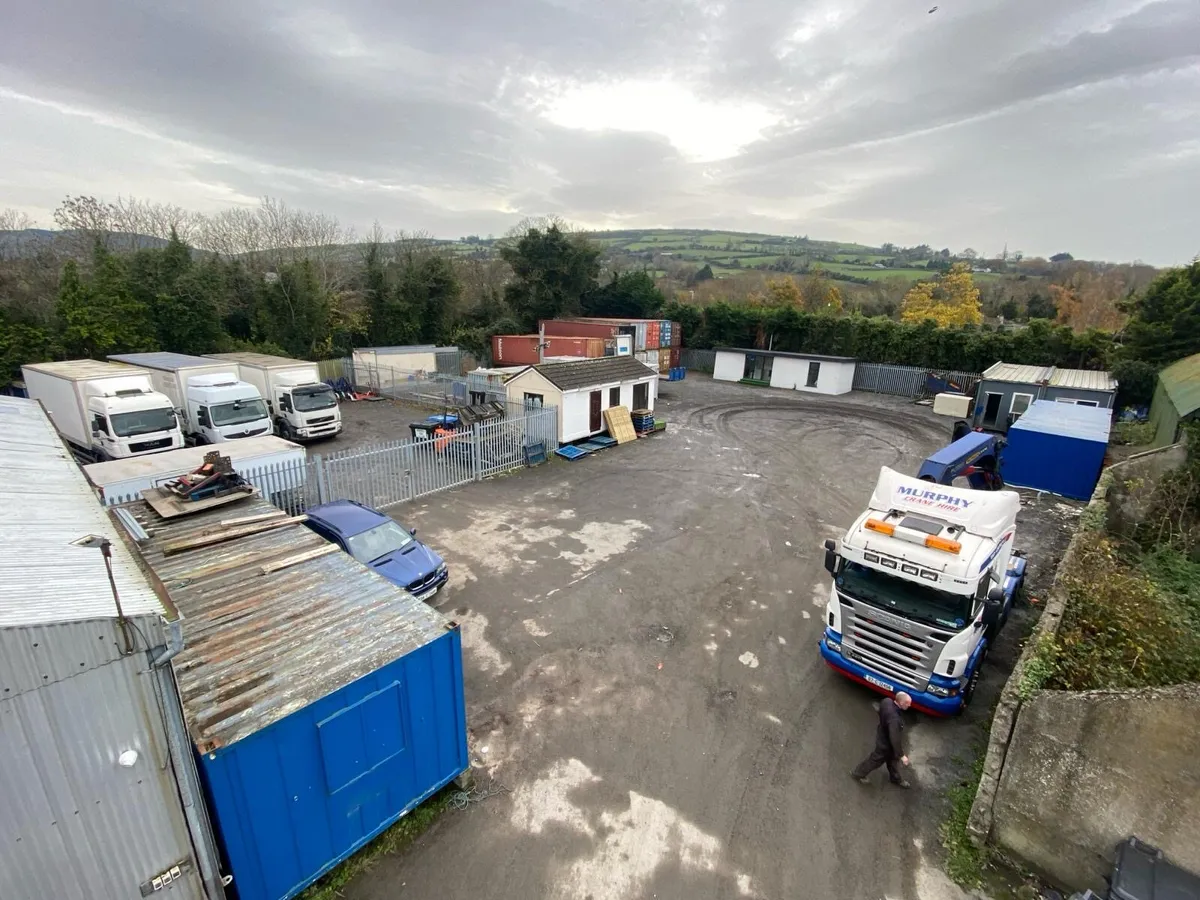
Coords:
pixel 656 342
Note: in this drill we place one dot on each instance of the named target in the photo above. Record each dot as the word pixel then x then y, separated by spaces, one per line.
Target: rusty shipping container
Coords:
pixel 579 328
pixel 664 360
pixel 653 333
pixel 675 355
pixel 522 349
pixel 676 335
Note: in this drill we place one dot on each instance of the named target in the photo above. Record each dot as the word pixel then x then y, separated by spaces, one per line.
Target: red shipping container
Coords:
pixel 652 334
pixel 676 334
pixel 564 328
pixel 522 349
pixel 675 354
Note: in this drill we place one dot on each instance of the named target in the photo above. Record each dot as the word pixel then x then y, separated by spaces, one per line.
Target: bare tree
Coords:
pixel 12 221
pixel 84 221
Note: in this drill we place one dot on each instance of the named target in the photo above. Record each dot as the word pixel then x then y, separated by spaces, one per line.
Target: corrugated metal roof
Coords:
pixel 1003 371
pixel 82 368
pixel 45 502
pixel 76 824
pixel 1083 380
pixel 567 376
pixel 1078 379
pixel 1089 423
pixel 164 360
pixel 1181 381
pixel 259 647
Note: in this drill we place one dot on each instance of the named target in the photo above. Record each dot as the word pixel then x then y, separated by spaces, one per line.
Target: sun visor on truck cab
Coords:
pixel 984 513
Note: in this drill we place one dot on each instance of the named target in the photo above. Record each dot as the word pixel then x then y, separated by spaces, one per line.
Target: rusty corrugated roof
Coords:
pixel 260 647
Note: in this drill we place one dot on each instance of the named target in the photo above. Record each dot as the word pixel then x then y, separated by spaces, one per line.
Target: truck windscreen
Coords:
pixel 915 601
pixel 239 412
pixel 144 421
pixel 314 398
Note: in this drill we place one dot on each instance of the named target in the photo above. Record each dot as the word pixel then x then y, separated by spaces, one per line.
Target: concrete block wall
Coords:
pixel 1086 769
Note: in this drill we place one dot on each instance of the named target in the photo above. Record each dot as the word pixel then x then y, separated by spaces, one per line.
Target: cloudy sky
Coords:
pixel 1045 124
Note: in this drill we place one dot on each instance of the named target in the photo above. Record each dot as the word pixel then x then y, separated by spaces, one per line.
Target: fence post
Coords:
pixel 476 462
pixel 319 473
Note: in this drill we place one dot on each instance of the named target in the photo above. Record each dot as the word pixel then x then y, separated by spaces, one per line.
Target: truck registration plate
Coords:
pixel 878 682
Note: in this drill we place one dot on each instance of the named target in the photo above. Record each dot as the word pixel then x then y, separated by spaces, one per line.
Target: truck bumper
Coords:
pixel 921 700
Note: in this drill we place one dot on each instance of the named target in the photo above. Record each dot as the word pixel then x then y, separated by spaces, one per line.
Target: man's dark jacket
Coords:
pixel 890 735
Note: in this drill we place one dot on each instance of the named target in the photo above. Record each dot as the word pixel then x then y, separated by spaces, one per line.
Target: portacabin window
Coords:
pixel 1020 403
pixel 533 399
pixel 614 396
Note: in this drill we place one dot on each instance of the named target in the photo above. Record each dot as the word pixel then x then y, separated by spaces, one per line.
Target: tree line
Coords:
pixel 133 276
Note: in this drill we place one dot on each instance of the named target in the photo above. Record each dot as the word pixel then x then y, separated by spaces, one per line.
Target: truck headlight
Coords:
pixel 835 646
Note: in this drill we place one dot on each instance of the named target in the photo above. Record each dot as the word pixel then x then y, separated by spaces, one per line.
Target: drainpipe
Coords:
pixel 174 643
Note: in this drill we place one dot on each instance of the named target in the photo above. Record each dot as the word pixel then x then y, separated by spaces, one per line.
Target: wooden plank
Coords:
pixel 620 424
pixel 297 558
pixel 246 520
pixel 220 537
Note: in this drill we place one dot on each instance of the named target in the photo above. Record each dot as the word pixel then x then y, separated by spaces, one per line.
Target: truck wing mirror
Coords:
pixel 995 597
pixel 831 557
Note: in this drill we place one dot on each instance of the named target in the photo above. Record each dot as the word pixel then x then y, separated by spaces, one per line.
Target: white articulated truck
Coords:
pixel 922 583
pixel 213 405
pixel 302 406
pixel 275 466
pixel 104 410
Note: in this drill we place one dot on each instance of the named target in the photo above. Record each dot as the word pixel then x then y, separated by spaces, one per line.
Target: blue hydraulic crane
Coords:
pixel 975 455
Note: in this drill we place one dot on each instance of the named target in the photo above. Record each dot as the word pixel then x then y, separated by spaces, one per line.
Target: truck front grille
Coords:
pixel 321 421
pixel 903 650
pixel 147 446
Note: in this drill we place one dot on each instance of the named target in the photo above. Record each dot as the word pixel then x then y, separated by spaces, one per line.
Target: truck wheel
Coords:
pixel 973 682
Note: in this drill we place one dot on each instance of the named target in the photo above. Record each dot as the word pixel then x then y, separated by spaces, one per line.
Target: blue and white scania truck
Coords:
pixel 922 583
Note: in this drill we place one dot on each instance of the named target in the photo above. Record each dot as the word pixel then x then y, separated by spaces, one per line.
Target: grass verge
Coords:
pixel 964 861
pixel 395 839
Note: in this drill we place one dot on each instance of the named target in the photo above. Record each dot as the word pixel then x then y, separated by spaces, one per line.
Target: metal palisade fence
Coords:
pixel 905 381
pixel 391 472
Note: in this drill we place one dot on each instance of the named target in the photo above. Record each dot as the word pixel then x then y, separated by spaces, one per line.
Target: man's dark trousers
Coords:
pixel 889 743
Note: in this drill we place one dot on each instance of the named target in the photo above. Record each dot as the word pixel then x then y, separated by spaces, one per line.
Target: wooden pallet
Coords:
pixel 169 506
pixel 620 425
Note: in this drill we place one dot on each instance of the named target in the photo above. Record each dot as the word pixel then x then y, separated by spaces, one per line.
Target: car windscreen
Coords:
pixel 144 421
pixel 385 538
pixel 239 412
pixel 314 398
pixel 917 601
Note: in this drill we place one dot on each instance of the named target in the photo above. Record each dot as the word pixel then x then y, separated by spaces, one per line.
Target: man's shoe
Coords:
pixel 863 780
pixel 901 783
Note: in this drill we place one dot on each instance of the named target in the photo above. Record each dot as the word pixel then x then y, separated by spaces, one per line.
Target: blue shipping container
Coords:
pixel 1057 447
pixel 323 702
pixel 294 800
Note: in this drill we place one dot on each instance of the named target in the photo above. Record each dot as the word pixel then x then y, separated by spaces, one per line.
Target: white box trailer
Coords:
pixel 213 404
pixel 104 410
pixel 301 405
pixel 275 466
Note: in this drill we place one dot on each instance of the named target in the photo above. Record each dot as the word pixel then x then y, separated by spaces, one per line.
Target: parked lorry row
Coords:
pixel 140 403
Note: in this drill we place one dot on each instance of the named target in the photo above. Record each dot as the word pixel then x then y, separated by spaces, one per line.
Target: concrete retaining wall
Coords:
pixel 1086 769
pixel 1028 810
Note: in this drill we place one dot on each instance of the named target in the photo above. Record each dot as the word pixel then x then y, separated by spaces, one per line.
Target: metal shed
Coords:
pixel 1176 399
pixel 811 372
pixel 1057 447
pixel 323 702
pixel 1007 390
pixel 99 793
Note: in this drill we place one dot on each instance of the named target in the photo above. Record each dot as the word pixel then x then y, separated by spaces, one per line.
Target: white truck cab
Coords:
pixel 223 408
pixel 301 405
pixel 922 582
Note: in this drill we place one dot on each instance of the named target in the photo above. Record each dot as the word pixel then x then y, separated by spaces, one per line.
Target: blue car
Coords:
pixel 377 541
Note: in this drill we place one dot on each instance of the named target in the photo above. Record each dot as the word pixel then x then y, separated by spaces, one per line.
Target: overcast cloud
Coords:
pixel 1045 125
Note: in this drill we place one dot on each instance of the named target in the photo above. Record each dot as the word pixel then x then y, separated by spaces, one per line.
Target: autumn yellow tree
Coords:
pixel 783 292
pixel 951 300
pixel 819 294
pixel 1088 299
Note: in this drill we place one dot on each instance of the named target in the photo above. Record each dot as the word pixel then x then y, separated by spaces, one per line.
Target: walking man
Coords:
pixel 889 742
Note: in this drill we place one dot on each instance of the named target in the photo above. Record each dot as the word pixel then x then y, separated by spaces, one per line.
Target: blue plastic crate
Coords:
pixel 569 452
